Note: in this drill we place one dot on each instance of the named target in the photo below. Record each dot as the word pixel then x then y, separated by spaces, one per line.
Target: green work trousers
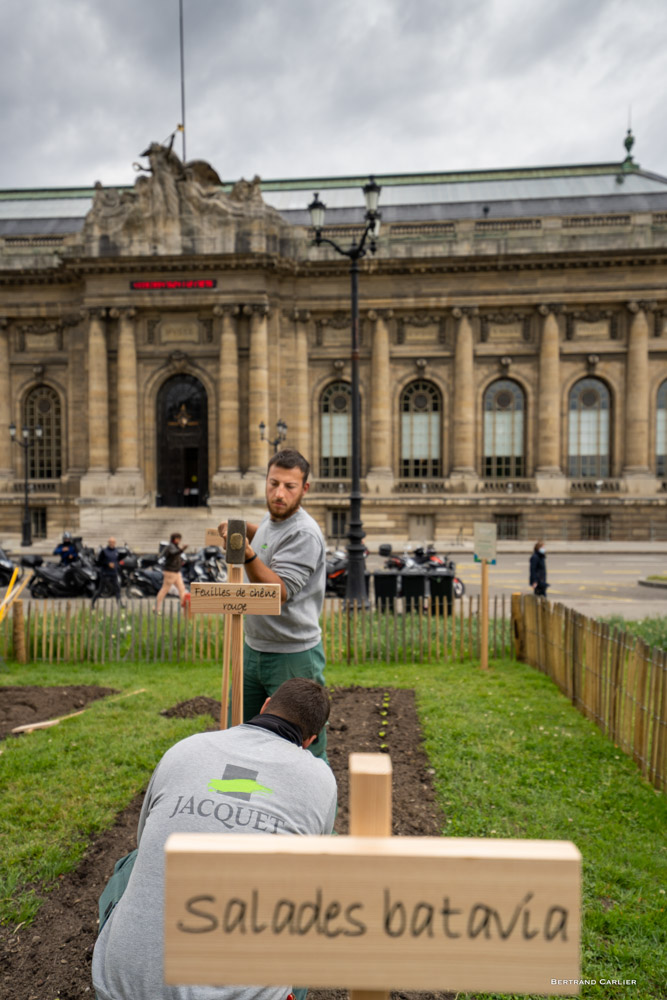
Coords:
pixel 263 673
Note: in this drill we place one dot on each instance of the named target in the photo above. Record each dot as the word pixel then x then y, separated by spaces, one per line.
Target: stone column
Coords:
pixel 380 466
pixel 637 395
pixel 463 422
pixel 228 393
pixel 548 401
pixel 299 434
pixel 98 394
pixel 6 471
pixel 128 405
pixel 258 392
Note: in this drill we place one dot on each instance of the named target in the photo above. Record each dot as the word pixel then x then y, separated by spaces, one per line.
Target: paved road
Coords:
pixel 596 585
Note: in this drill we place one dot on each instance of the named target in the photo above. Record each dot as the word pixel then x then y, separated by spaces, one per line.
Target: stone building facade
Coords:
pixel 513 350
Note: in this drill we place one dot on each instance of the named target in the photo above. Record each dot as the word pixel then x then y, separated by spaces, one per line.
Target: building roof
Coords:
pixel 601 188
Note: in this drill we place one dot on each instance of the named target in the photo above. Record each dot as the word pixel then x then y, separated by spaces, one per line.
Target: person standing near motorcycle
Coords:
pixel 538 570
pixel 172 576
pixel 288 548
pixel 108 563
pixel 66 550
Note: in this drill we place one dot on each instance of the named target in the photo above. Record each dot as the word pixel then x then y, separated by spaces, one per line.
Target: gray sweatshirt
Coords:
pixel 295 550
pixel 187 794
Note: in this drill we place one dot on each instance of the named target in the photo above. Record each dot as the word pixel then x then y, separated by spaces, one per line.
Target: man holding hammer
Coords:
pixel 286 548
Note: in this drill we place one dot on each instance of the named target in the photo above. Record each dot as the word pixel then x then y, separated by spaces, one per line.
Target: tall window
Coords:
pixel 588 432
pixel 504 407
pixel 42 408
pixel 421 454
pixel 661 432
pixel 335 430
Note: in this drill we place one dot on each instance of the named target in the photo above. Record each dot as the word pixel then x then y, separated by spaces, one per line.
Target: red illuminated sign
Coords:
pixel 176 283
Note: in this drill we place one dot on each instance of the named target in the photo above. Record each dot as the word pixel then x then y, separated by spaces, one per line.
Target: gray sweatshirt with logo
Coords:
pixel 295 550
pixel 195 788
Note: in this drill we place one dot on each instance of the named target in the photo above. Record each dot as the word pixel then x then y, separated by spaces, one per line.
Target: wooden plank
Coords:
pixel 373 913
pixel 235 598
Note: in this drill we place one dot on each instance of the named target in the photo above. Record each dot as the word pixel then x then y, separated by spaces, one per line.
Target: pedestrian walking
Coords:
pixel 108 562
pixel 172 576
pixel 538 569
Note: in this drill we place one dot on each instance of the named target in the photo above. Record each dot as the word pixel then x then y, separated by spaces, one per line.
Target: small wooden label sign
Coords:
pixel 212 537
pixel 371 913
pixel 235 598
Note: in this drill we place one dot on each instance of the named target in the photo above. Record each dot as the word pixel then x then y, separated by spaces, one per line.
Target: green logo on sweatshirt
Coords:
pixel 247 786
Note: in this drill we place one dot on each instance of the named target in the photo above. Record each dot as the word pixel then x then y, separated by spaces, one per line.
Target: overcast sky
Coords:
pixel 305 88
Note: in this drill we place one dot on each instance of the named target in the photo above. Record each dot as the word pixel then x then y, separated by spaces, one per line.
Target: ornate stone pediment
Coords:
pixel 180 208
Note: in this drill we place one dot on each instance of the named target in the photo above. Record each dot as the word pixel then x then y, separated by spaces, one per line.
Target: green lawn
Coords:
pixel 511 757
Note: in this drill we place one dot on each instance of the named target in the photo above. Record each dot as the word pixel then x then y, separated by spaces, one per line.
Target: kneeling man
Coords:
pixel 204 784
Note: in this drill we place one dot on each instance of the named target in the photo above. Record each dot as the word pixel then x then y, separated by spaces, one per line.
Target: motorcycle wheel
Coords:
pixel 39 590
pixel 458 587
pixel 108 589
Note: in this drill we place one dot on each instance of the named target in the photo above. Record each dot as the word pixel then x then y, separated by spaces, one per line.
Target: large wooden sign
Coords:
pixel 235 598
pixel 371 913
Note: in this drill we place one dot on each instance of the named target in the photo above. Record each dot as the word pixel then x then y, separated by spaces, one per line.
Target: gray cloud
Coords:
pixel 307 88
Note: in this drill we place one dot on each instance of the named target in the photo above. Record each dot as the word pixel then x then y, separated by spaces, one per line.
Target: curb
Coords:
pixel 653 583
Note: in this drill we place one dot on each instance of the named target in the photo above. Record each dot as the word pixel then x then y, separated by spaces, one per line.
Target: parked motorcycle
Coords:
pixel 337 562
pixel 145 579
pixel 7 568
pixel 79 579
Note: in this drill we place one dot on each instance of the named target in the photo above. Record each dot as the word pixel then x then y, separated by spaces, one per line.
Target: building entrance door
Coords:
pixel 182 443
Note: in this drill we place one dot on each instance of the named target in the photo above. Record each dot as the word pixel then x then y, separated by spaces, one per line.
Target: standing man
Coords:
pixel 287 548
pixel 108 561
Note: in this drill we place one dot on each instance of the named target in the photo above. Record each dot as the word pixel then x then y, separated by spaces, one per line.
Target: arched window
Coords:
pixel 588 431
pixel 335 432
pixel 661 432
pixel 42 408
pixel 421 454
pixel 504 407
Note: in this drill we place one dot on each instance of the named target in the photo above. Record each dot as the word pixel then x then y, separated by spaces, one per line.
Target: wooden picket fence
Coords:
pixel 73 632
pixel 613 678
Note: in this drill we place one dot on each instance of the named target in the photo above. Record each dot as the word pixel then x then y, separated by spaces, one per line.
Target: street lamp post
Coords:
pixel 356 583
pixel 281 428
pixel 26 527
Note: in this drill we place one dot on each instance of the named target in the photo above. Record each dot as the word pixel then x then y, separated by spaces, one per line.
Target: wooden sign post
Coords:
pixel 485 536
pixel 373 912
pixel 234 599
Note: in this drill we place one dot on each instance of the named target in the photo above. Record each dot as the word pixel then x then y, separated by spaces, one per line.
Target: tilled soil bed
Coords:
pixel 51 957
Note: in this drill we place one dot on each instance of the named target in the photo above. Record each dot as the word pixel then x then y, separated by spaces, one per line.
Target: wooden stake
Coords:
pixel 236 634
pixel 226 663
pixel 370 815
pixel 484 637
pixel 18 632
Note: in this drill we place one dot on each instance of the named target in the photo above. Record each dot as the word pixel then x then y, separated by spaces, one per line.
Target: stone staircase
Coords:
pixel 142 528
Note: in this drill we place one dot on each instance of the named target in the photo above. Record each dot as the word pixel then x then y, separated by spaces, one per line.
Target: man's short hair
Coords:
pixel 290 458
pixel 174 536
pixel 302 702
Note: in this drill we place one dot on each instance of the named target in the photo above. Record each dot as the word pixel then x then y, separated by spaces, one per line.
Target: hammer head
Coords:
pixel 235 542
